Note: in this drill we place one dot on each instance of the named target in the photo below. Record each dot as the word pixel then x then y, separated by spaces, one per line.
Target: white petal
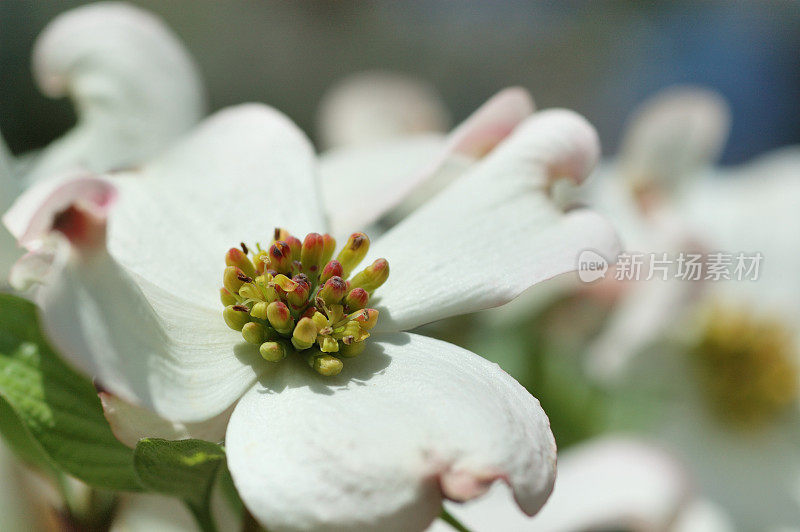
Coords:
pixel 131 423
pixel 145 318
pixel 704 516
pixel 674 134
pixel 146 345
pixel 359 183
pixel 362 184
pixel 409 421
pixel 373 106
pixel 495 232
pixel 243 172
pixel 144 513
pixel 603 484
pixel 134 86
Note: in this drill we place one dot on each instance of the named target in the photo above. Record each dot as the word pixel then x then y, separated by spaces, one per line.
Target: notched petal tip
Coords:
pixel 462 485
pixel 401 453
pixel 561 141
pixel 76 207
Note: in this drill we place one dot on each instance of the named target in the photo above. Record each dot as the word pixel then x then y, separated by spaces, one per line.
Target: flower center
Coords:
pixel 292 297
pixel 748 367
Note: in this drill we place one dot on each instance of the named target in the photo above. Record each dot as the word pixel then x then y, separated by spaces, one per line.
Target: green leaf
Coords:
pixel 57 407
pixel 20 440
pixel 186 469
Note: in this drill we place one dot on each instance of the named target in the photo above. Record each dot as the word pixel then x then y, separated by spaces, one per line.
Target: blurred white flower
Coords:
pixel 670 145
pixel 135 91
pixel 375 106
pixel 730 372
pixel 410 421
pixel 613 482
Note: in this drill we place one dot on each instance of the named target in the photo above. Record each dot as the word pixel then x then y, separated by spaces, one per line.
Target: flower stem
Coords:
pixel 452 521
pixel 202 514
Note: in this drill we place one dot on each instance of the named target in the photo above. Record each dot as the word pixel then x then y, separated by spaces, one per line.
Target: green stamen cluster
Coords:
pixel 292 297
pixel 748 367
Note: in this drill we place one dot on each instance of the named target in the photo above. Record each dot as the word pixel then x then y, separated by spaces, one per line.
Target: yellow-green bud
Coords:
pixel 236 316
pixel 280 257
pixel 353 252
pixel 304 334
pixel 226 297
pixel 311 254
pixel 259 310
pixel 328 247
pixel 273 351
pixel 279 317
pixel 332 269
pixel 372 277
pixel 356 299
pixel 325 364
pixel 236 257
pixel 254 333
pixel 333 291
pixel 352 350
pixel 298 297
pixel 233 278
pixel 295 245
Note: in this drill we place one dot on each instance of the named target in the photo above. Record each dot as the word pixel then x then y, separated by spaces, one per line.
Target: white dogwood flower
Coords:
pixel 135 91
pixel 126 270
